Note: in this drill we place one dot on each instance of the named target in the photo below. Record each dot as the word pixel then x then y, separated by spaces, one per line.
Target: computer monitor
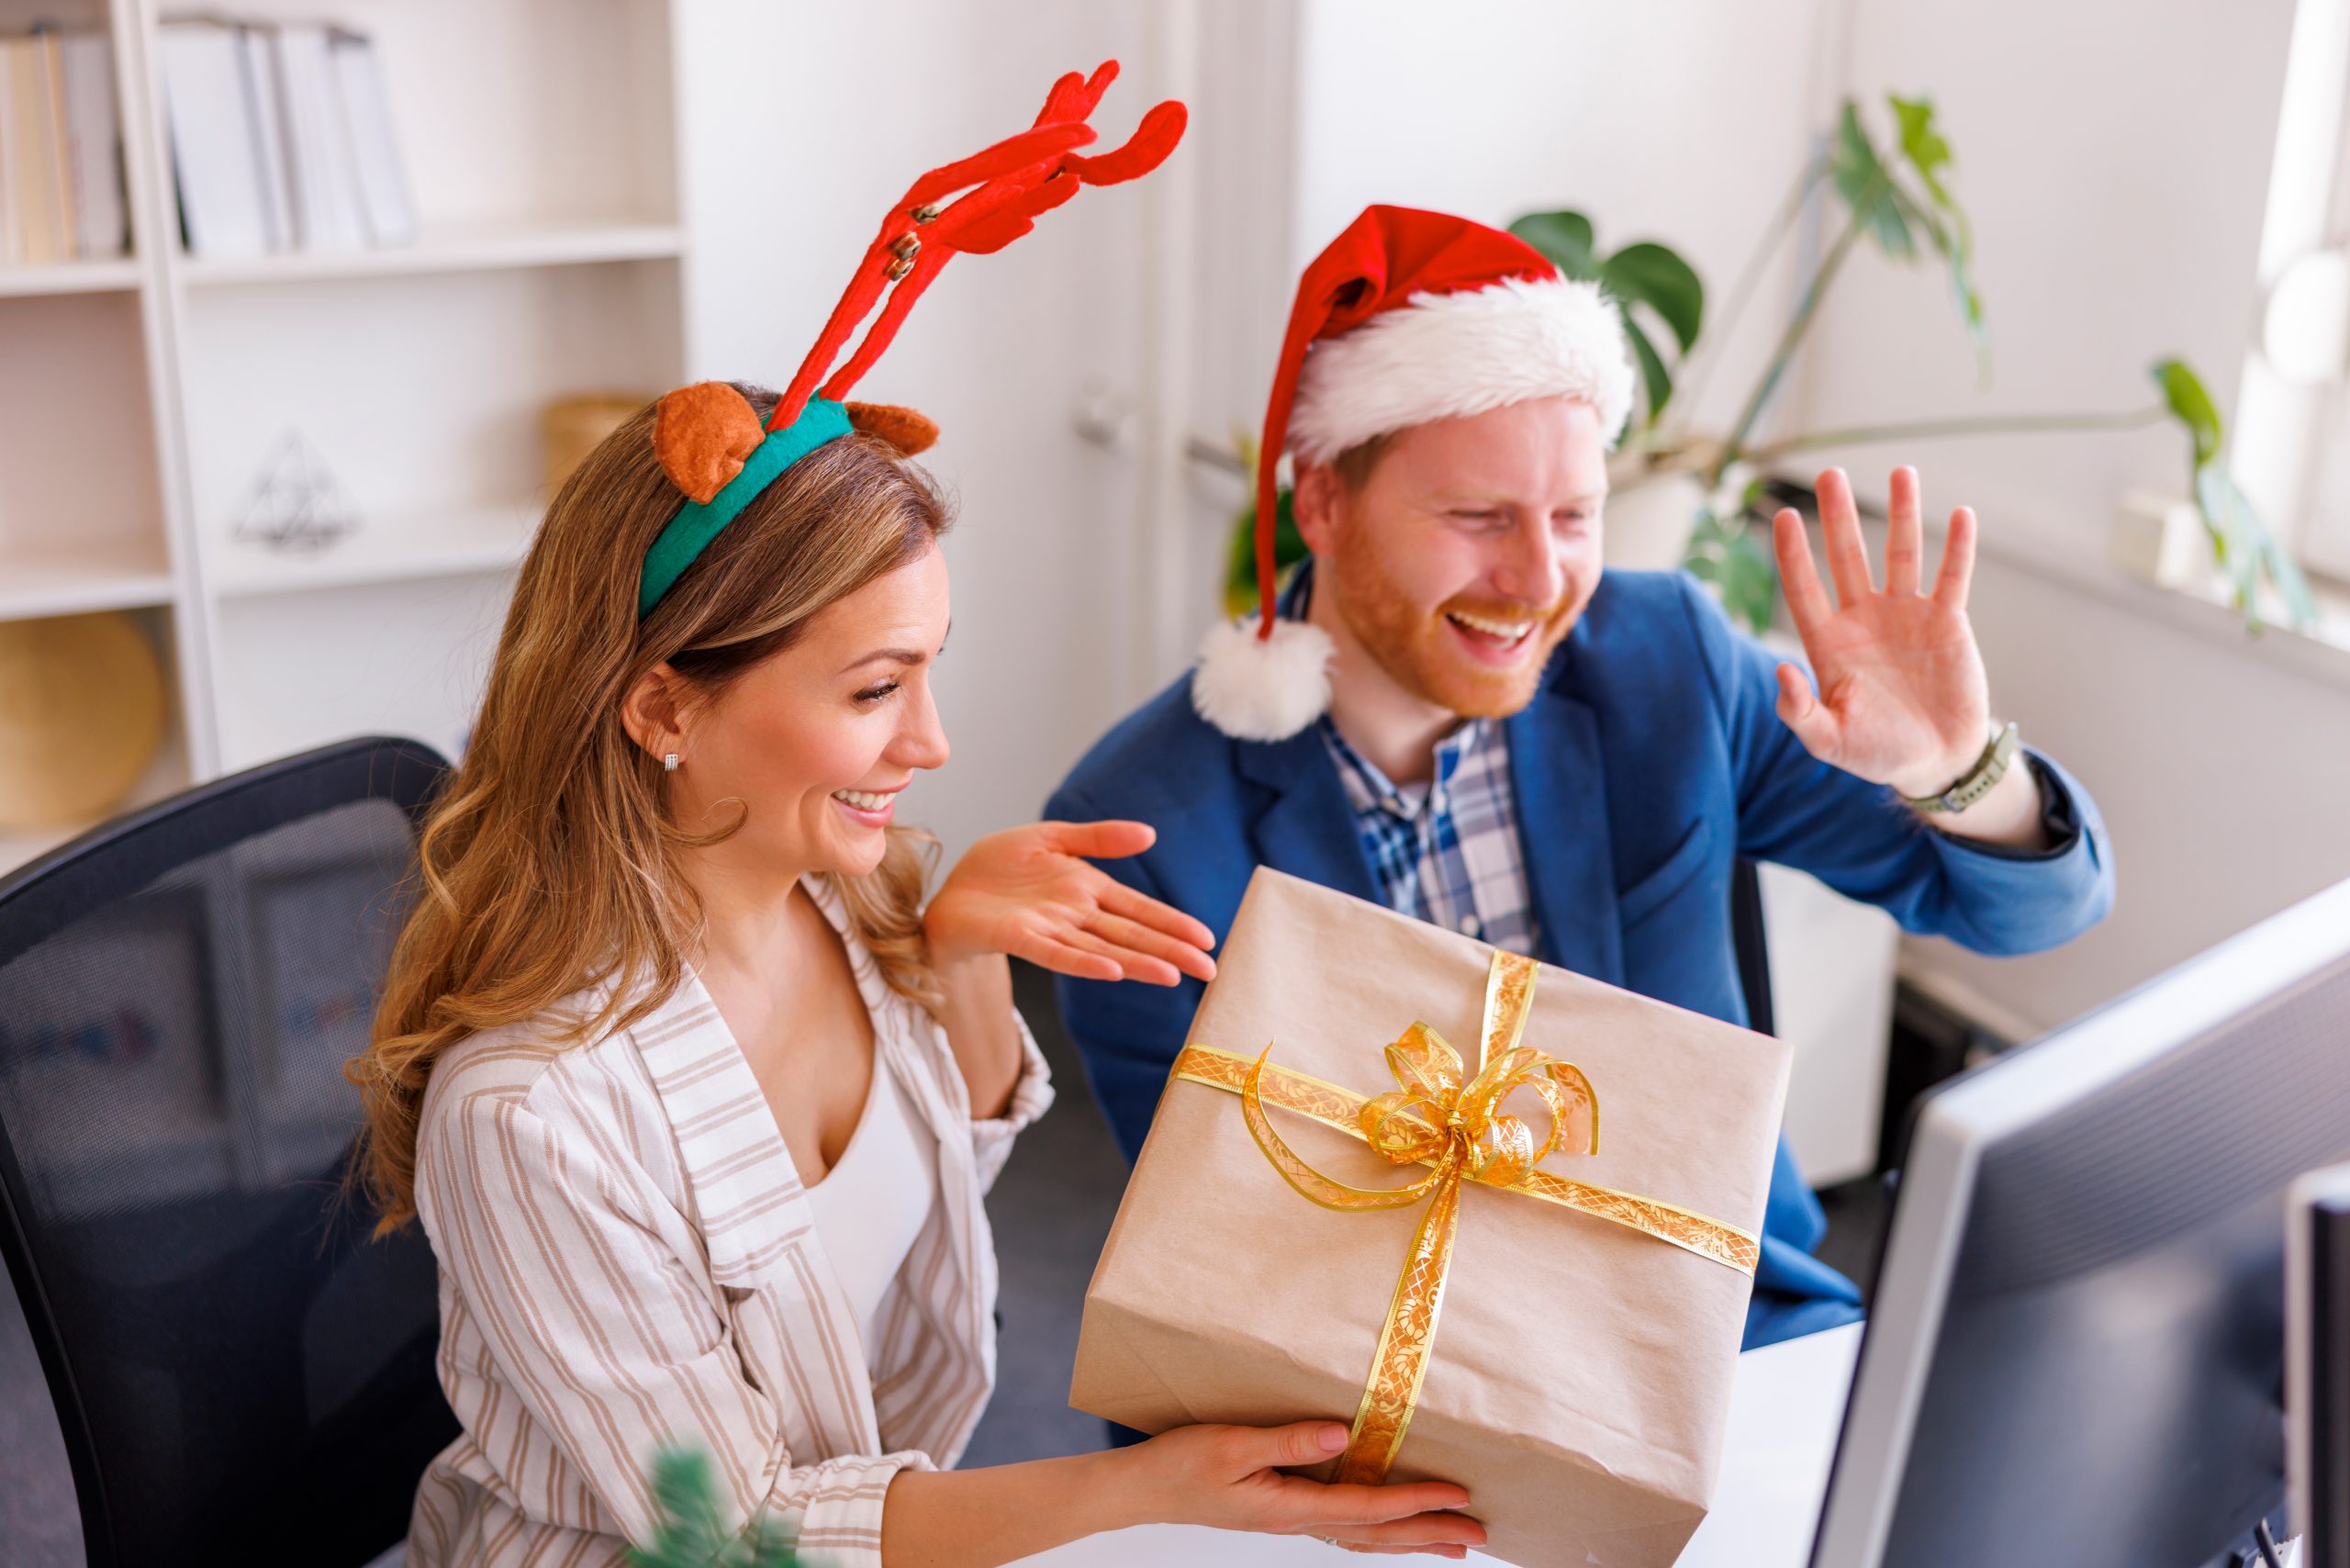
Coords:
pixel 2074 1352
pixel 2317 1365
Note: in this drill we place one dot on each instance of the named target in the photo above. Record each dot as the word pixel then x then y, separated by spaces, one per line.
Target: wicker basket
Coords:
pixel 81 716
pixel 572 427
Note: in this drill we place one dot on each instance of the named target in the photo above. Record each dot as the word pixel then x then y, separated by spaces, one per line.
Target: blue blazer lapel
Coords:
pixel 1308 828
pixel 1560 788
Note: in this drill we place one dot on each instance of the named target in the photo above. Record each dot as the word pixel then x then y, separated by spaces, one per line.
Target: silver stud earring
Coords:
pixel 670 762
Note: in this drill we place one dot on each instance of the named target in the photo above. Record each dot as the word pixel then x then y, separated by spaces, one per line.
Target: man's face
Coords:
pixel 1469 550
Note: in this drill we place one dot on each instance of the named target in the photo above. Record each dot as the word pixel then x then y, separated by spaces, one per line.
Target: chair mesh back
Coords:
pixel 252 1374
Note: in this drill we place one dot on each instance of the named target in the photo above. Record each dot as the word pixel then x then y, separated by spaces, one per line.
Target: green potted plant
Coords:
pixel 1702 498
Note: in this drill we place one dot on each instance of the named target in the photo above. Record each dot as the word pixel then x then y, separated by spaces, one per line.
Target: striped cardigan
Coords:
pixel 627 1260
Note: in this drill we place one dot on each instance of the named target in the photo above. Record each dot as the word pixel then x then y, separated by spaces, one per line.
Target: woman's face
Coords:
pixel 817 740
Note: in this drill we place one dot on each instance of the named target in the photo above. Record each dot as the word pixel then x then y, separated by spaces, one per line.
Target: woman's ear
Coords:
pixel 653 711
pixel 703 434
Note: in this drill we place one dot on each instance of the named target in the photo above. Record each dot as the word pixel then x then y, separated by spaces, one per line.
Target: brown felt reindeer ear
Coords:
pixel 703 434
pixel 908 430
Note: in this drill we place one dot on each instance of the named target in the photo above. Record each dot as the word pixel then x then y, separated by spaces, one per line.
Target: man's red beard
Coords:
pixel 1419 650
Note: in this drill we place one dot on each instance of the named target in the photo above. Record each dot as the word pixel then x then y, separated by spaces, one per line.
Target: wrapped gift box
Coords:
pixel 1579 1374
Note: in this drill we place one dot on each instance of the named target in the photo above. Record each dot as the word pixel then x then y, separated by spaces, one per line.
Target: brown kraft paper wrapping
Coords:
pixel 1582 1371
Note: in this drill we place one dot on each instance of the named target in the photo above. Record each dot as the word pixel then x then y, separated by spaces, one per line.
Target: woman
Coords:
pixel 696 1100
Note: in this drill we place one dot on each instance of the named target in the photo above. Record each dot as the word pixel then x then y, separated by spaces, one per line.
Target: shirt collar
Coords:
pixel 1367 788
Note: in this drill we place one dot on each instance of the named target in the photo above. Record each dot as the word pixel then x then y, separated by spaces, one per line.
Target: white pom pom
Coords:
pixel 1258 690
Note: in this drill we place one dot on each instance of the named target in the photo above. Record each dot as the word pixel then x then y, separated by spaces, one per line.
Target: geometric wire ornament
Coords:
pixel 295 503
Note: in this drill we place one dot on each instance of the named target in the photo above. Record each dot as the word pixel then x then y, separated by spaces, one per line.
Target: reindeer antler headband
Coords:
pixel 709 438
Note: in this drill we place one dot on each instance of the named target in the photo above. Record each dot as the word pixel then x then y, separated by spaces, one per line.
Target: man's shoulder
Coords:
pixel 1647 637
pixel 1161 754
pixel 1637 612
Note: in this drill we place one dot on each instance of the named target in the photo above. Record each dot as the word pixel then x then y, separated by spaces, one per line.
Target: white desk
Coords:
pixel 1784 1411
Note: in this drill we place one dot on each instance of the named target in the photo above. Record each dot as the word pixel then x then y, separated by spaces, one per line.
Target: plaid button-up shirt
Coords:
pixel 1446 851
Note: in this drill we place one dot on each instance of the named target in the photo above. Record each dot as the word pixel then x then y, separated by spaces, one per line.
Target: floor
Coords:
pixel 1051 1209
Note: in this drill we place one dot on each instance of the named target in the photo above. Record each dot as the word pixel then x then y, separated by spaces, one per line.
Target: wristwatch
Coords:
pixel 1978 780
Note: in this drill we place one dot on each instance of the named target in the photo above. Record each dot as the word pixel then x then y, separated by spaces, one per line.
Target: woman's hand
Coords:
pixel 1029 893
pixel 1231 1478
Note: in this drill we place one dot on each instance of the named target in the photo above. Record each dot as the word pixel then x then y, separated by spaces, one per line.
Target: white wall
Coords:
pixel 1682 121
pixel 800 124
pixel 2220 764
pixel 2114 159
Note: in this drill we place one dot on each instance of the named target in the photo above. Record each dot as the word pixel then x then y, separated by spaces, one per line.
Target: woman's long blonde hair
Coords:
pixel 547 863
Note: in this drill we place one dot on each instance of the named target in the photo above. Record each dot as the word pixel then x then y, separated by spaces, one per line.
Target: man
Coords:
pixel 1454 713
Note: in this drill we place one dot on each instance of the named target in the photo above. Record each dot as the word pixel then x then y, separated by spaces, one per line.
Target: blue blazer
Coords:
pixel 1652 758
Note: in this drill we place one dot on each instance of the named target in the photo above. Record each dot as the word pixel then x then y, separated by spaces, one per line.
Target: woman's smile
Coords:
pixel 867 808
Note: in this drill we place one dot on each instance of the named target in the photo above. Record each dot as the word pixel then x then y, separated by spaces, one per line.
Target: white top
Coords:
pixel 871 1205
pixel 628 1258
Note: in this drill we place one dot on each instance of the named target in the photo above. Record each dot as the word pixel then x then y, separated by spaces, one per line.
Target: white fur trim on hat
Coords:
pixel 1440 357
pixel 1254 689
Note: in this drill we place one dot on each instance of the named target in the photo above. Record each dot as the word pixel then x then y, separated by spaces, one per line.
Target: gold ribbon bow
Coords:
pixel 1442 1119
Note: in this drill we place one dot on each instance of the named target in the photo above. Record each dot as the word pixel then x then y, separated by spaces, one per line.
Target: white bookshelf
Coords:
pixel 68 277
pixel 460 248
pixel 540 140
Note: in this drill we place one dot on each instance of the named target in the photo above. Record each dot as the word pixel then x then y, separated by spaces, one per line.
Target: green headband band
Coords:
pixel 697 523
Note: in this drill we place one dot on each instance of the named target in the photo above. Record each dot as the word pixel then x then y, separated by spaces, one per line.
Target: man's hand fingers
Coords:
pixel 1957 572
pixel 1802 713
pixel 1905 539
pixel 1839 527
pixel 1798 575
pixel 1101 840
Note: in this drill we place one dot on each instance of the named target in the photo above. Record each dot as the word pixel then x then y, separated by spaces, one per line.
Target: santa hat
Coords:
pixel 1407 318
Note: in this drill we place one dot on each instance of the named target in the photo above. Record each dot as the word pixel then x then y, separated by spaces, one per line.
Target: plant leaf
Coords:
pixel 1927 153
pixel 2191 404
pixel 1923 144
pixel 2248 551
pixel 1740 568
pixel 1863 180
pixel 1654 377
pixel 1648 274
pixel 1240 568
pixel 1565 238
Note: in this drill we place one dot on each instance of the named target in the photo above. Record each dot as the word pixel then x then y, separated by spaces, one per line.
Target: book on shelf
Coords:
pixel 375 153
pixel 217 175
pixel 257 61
pixel 60 151
pixel 94 145
pixel 282 138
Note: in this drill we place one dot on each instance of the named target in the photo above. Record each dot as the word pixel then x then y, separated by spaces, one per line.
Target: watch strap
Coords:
pixel 1978 780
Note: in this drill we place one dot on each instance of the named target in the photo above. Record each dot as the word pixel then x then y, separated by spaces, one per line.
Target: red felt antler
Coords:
pixel 1005 187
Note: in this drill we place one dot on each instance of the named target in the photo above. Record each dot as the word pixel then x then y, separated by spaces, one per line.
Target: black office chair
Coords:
pixel 1747 943
pixel 238 1372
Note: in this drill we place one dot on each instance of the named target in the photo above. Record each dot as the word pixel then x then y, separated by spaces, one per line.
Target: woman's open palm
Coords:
pixel 1031 893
